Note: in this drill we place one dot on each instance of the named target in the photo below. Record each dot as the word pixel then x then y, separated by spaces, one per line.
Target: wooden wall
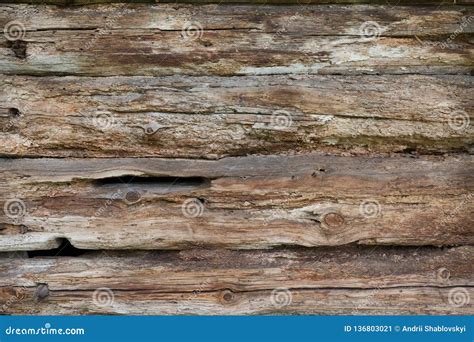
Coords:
pixel 236 157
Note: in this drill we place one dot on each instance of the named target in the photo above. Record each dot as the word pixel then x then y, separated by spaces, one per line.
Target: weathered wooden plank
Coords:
pixel 131 42
pixel 302 281
pixel 214 117
pixel 396 21
pixel 403 301
pixel 437 3
pixel 248 202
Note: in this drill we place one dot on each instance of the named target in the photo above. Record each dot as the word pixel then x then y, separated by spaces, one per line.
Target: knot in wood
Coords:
pixel 227 296
pixel 333 220
pixel 132 197
pixel 443 274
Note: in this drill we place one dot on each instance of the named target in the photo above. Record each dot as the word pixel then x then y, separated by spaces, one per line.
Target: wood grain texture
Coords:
pixel 437 3
pixel 323 281
pixel 247 202
pixel 237 159
pixel 398 21
pixel 226 40
pixel 214 117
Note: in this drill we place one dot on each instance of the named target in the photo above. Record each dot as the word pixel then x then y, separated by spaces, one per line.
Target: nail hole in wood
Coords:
pixel 42 292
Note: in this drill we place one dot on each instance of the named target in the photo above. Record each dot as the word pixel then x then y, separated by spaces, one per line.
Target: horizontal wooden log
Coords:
pixel 247 202
pixel 437 3
pixel 303 281
pixel 214 117
pixel 397 21
pixel 226 40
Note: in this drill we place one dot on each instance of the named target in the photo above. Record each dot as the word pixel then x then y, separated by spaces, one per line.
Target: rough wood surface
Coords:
pixel 213 117
pixel 247 202
pixel 237 159
pixel 324 281
pixel 226 40
pixel 437 3
pixel 397 21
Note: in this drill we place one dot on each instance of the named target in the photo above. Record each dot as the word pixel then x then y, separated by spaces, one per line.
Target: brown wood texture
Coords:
pixel 245 202
pixel 214 117
pixel 437 3
pixel 369 281
pixel 133 39
pixel 305 158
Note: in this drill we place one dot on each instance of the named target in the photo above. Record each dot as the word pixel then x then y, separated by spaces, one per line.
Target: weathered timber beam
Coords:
pixel 301 281
pixel 437 3
pixel 213 117
pixel 397 21
pixel 221 40
pixel 248 202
